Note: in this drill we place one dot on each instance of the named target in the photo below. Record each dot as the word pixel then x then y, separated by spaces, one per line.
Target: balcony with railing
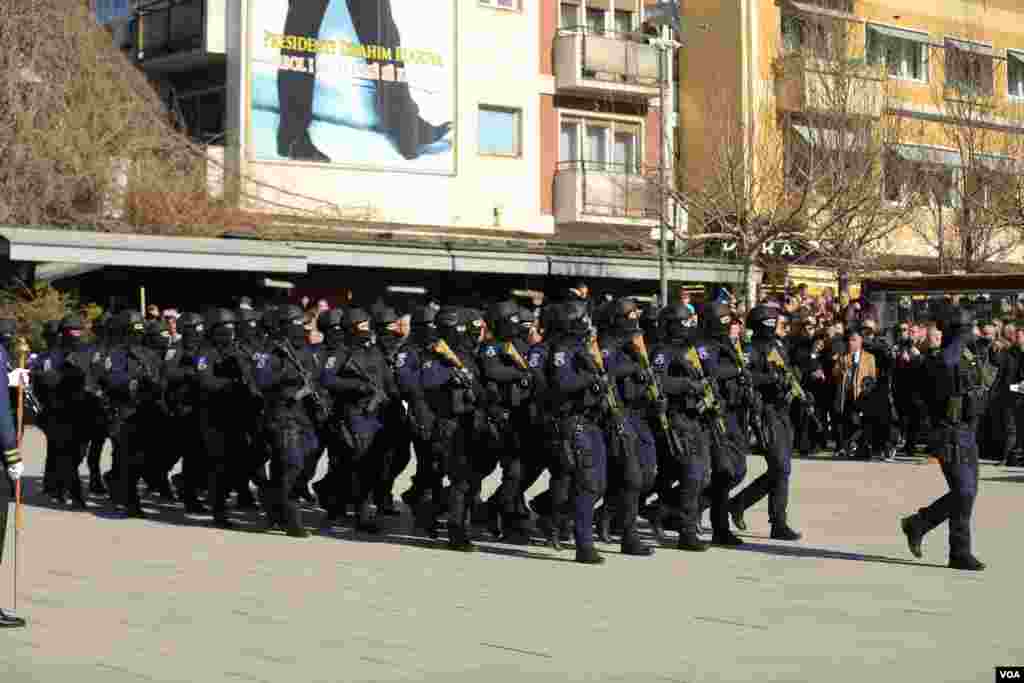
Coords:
pixel 591 62
pixel 604 193
pixel 179 34
pixel 807 83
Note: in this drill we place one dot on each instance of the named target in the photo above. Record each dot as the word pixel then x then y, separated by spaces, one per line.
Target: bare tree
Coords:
pixel 86 142
pixel 969 186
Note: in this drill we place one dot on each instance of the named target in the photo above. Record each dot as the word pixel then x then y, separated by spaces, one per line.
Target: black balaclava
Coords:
pixel 158 335
pixel 331 325
pixel 387 339
pixel 423 328
pixel 763 320
pixel 578 325
pixel 624 318
pixel 452 328
pixel 718 321
pixel 221 325
pixel 247 326
pixel 192 330
pixel 292 325
pixel 676 326
pixel 133 327
pixel 505 321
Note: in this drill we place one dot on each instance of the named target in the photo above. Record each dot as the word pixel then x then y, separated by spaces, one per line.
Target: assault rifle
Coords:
pixel 321 410
pixel 380 397
pixel 709 406
pixel 794 391
pixel 676 447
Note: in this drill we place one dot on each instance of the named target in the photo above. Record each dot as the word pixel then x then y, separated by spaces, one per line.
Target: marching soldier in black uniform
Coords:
pixel 768 367
pixel 956 402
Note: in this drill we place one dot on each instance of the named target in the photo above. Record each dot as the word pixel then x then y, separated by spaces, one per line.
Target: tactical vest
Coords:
pixel 970 390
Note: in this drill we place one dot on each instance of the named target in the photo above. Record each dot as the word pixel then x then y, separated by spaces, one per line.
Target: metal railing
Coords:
pixel 612 189
pixel 169 26
pixel 614 56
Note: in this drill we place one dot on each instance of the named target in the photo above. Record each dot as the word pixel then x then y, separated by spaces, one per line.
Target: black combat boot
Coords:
pixel 726 539
pixel 967 563
pixel 782 532
pixel 632 545
pixel 690 541
pixel 588 555
pixel 914 535
pixel 367 522
pixel 459 540
pixel 736 514
pixel 8 620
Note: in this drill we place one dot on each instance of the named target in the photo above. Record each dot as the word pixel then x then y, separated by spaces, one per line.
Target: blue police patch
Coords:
pixel 702 352
pixel 659 360
pixel 491 352
pixel 559 359
pixel 535 360
pixel 261 360
pixel 331 361
pixel 202 363
pixel 400 360
pixel 47 365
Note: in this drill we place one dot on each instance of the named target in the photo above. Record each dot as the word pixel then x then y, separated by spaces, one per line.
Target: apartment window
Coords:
pixel 1015 74
pixel 501 4
pixel 969 67
pixel 569 142
pixel 500 131
pixel 623 21
pixel 821 36
pixel 601 145
pixel 596 147
pixel 570 15
pixel 595 20
pixel 904 53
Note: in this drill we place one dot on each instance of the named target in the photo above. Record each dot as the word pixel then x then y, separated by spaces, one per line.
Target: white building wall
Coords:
pixel 498 63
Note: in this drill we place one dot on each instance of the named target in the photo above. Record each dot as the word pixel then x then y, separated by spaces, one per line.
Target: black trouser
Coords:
pixel 374 25
pixel 132 436
pixel 217 441
pixel 187 445
pixel 401 456
pixel 774 483
pixel 960 468
pixel 291 444
pixel 728 468
pixel 458 466
pixel 65 447
pixel 368 464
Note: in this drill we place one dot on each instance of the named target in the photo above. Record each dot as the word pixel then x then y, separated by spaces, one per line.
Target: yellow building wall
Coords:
pixel 734 60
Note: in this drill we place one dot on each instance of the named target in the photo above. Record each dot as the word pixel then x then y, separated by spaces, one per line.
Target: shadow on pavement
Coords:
pixel 1014 478
pixel 395 530
pixel 823 554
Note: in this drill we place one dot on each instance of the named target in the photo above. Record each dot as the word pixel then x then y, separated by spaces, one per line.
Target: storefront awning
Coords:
pixel 149 251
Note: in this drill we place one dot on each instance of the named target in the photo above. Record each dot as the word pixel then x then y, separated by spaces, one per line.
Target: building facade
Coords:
pixel 949 75
pixel 530 130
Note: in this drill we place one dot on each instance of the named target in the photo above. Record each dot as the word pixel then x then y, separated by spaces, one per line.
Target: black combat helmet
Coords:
pixel 503 319
pixel 762 320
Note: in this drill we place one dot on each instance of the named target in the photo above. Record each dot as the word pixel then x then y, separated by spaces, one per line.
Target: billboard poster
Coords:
pixel 356 83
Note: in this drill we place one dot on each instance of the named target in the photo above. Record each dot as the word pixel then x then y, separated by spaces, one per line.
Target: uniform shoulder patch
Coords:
pixel 606 353
pixel 170 354
pixel 96 357
pixel 109 363
pixel 331 362
pixel 659 360
pixel 702 351
pixel 261 360
pixel 47 365
pixel 559 359
pixel 490 351
pixel 202 363
pixel 428 364
pixel 535 360
pixel 400 359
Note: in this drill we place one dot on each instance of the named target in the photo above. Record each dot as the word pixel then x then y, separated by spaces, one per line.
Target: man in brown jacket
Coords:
pixel 855 374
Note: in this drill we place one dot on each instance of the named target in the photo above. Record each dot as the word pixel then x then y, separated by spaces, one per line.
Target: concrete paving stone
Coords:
pixel 172 599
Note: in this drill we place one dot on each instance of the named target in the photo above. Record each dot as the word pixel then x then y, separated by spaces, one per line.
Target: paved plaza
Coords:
pixel 172 599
